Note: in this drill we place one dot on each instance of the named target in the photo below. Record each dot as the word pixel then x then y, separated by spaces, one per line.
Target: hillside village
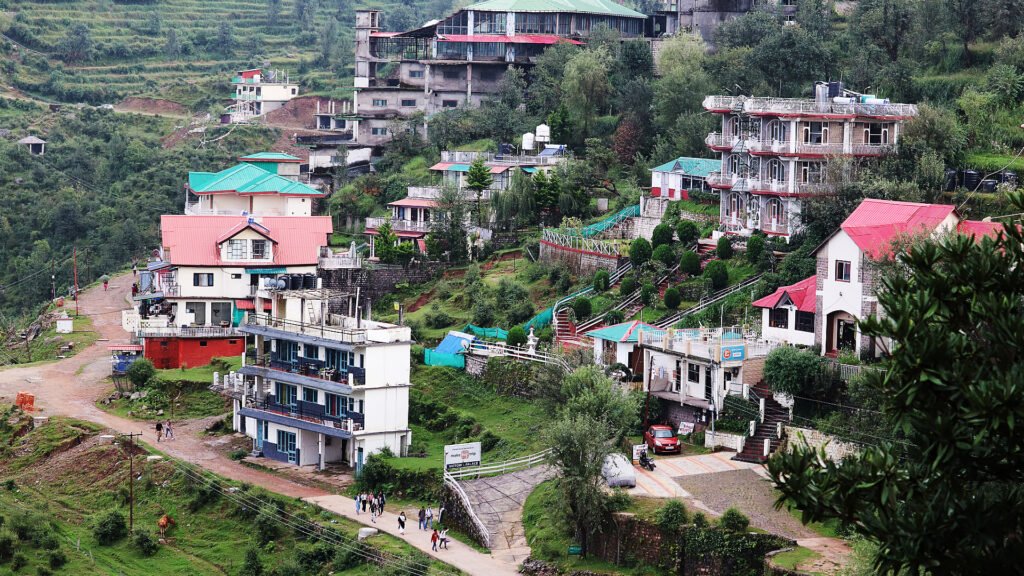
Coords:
pixel 580 286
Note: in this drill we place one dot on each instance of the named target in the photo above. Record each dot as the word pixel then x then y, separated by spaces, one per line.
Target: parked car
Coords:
pixel 661 438
pixel 618 471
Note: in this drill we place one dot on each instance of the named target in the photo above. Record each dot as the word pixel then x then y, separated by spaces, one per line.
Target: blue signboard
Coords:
pixel 734 353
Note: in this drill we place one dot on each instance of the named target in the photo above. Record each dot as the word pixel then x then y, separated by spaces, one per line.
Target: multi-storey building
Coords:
pixel 258 92
pixel 775 151
pixel 323 388
pixel 462 58
pixel 264 184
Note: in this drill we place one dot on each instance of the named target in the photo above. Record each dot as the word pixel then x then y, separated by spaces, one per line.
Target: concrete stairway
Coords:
pixel 774 413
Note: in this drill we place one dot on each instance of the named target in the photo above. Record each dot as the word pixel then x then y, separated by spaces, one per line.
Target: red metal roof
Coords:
pixel 250 73
pixel 193 240
pixel 876 223
pixel 415 202
pixel 545 39
pixel 979 229
pixel 243 225
pixel 802 294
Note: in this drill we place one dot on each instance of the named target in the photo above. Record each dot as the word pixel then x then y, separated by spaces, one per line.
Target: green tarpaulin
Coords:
pixel 432 358
pixel 493 333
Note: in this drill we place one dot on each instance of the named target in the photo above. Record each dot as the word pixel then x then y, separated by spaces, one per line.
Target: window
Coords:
pixel 310 395
pixel 236 250
pixel 449 103
pixel 805 321
pixel 286 394
pixel 337 359
pixel 379 131
pixel 380 102
pixel 489 22
pixel 489 50
pixel 535 23
pixel 811 173
pixel 452 51
pixel 203 343
pixel 334 404
pixel 202 279
pixel 236 276
pixel 777 131
pixel 220 313
pixel 876 135
pixel 287 351
pixel 816 133
pixel 259 249
pixel 163 343
pixel 408 103
pixel 457 23
pixel 450 74
pixel 778 318
pixel 776 215
pixel 776 170
pixel 232 341
pixel 842 271
pixel 693 372
pixel 294 91
pixel 416 74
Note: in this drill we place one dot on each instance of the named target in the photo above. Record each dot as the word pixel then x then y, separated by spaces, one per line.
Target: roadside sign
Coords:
pixel 734 353
pixel 461 455
pixel 638 449
pixel 575 550
pixel 685 428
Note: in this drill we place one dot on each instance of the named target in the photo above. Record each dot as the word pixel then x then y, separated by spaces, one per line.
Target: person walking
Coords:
pixel 135 289
pixel 135 269
pixel 106 284
pixel 444 538
pixel 363 498
pixel 401 523
pixel 357 504
pixel 159 430
pixel 423 518
pixel 168 431
pixel 430 518
pixel 433 541
pixel 373 511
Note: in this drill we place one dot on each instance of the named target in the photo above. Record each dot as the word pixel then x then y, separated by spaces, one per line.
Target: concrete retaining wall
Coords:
pixel 835 449
pixel 724 440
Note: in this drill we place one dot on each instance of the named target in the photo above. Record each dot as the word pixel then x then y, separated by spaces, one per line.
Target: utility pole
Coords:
pixel 131 479
pixel 53 282
pixel 74 260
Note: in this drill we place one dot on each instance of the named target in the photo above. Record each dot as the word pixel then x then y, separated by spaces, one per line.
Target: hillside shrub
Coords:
pixel 689 263
pixel 601 279
pixel 791 371
pixel 647 293
pixel 253 566
pixel 640 252
pixel 755 248
pixel 700 520
pixel 672 299
pixel 688 232
pixel 661 236
pixel 7 544
pixel 665 255
pixel 489 441
pixel 717 273
pixel 436 317
pixel 724 248
pixel 379 474
pixel 516 336
pixel 671 516
pixel 734 520
pixel 141 372
pixel 614 317
pixel 56 559
pixel 582 308
pixel 18 561
pixel 110 527
pixel 267 524
pixel 628 285
pixel 145 542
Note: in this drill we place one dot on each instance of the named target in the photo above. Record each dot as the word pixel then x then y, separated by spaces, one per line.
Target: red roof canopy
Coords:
pixel 979 229
pixel 193 240
pixel 544 39
pixel 250 73
pixel 802 295
pixel 876 223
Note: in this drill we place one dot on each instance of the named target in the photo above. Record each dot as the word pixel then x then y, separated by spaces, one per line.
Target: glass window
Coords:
pixel 259 249
pixel 842 271
pixel 693 372
pixel 449 103
pixel 310 395
pixel 451 51
pixel 337 359
pixel 489 50
pixel 287 394
pixel 334 404
pixel 489 22
pixel 380 102
pixel 662 434
pixel 778 318
pixel 805 321
pixel 811 173
pixel 816 133
pixel 236 249
pixel 220 313
pixel 408 103
pixel 379 131
pixel 455 24
pixel 416 74
pixel 202 279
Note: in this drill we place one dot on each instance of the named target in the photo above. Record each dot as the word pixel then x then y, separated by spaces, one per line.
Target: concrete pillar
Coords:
pixel 778 430
pixel 746 392
pixel 753 427
pixel 320 448
pixel 847 137
pixel 767 446
pixel 216 378
pixel 762 410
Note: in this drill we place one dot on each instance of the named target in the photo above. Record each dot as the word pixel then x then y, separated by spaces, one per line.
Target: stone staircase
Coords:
pixel 774 413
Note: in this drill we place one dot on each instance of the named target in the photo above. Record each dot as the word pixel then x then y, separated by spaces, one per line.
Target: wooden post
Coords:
pixel 131 480
pixel 74 260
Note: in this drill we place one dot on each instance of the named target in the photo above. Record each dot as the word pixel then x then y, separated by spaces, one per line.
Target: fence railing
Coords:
pixel 846 372
pixel 706 302
pixel 351 335
pixel 497 469
pixel 579 243
pixel 187 332
pixel 403 225
pixel 504 350
pixel 485 534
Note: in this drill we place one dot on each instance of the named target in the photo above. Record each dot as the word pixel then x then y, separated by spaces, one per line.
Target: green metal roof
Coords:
pixel 625 332
pixel 246 179
pixel 700 167
pixel 608 7
pixel 271 156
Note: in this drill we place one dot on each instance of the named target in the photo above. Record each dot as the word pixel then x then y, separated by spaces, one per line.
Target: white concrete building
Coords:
pixel 619 344
pixel 258 92
pixel 324 388
pixel 264 184
pixel 788 314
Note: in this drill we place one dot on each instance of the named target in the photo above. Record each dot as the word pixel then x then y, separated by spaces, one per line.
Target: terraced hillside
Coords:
pixel 183 50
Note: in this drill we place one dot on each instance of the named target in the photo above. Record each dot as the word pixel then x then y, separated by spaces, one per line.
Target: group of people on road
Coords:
pixel 375 502
pixel 165 430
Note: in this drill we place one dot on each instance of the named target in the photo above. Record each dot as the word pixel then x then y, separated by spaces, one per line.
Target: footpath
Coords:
pixel 71 387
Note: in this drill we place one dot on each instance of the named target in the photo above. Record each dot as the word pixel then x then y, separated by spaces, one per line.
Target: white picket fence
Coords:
pixel 500 468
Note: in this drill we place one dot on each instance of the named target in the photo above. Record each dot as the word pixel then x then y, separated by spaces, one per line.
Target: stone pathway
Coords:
pixel 498 502
pixel 661 483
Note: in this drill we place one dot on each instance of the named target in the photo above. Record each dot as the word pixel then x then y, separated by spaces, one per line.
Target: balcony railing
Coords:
pixel 511 159
pixel 776 228
pixel 399 225
pixel 347 335
pixel 195 209
pixel 768 186
pixel 187 332
pixel 312 413
pixel 768 146
pixel 340 261
pixel 823 149
pixel 720 103
pixel 314 368
pixel 719 180
pixel 871 149
pixel 718 140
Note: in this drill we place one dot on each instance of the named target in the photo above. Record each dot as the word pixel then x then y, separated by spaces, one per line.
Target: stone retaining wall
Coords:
pixel 456 516
pixel 375 282
pixel 582 262
pixel 835 449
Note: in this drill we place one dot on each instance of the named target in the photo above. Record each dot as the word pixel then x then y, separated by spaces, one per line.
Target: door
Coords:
pixel 286 445
pixel 359 460
pixel 846 336
pixel 707 383
pixel 261 433
pixel 287 394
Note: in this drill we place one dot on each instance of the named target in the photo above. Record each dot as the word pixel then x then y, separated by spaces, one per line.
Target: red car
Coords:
pixel 660 438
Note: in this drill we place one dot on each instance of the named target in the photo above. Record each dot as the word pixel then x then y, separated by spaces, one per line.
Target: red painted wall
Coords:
pixel 178 352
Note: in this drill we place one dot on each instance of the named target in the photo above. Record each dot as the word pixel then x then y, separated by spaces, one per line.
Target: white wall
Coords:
pixel 837 295
pixel 228 203
pixel 386 364
pixel 789 335
pixel 309 447
pixel 386 408
pixel 297 206
pixel 249 235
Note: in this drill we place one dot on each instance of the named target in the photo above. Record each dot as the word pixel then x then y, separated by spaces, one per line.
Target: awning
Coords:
pixel 245 305
pixel 266 270
pixel 529 169
pixel 125 347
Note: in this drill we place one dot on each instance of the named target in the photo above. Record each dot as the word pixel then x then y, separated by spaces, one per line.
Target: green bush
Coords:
pixel 312 558
pixel 436 317
pixel 717 273
pixel 239 454
pixel 628 285
pixel 791 371
pixel 110 527
pixel 516 336
pixel 665 255
pixel 145 542
pixel 43 571
pixel 601 279
pixel 647 293
pixel 8 541
pixel 18 561
pixel 489 441
pixel 755 248
pixel 56 559
pixel 582 308
pixel 672 298
pixel 140 372
pixel 689 263
pixel 734 521
pixel 661 236
pixel 688 232
pixel 724 248
pixel 640 252
pixel 671 516
pixel 253 566
pixel 614 317
pixel 267 524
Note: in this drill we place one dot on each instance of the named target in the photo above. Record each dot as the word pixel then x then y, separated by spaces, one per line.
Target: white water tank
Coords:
pixel 528 143
pixel 543 133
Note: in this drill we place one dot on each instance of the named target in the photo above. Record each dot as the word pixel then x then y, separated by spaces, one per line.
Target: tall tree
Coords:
pixel 585 87
pixel 949 499
pixel 328 42
pixel 885 23
pixel 77 46
pixel 273 12
pixel 448 227
pixel 225 38
pixel 172 48
pixel 478 179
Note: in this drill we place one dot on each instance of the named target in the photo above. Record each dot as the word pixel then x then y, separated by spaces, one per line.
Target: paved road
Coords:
pixel 70 387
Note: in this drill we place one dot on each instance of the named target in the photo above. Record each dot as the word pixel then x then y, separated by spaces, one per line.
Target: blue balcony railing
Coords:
pixel 310 412
pixel 313 368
